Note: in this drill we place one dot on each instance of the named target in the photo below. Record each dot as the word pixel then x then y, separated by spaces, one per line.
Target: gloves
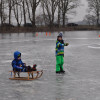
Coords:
pixel 66 44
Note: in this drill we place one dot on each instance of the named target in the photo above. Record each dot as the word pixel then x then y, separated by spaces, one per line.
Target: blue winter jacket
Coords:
pixel 17 63
pixel 60 48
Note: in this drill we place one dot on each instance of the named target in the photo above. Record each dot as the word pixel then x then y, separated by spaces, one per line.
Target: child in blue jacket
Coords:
pixel 17 63
pixel 19 66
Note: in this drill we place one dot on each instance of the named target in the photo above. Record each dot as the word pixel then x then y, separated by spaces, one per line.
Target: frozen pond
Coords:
pixel 82 66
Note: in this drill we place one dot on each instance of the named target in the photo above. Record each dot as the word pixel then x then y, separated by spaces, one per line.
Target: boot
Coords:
pixel 58 72
pixel 63 72
pixel 29 69
pixel 34 68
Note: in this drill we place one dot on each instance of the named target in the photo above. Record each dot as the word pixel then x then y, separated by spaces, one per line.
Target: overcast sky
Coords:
pixel 81 11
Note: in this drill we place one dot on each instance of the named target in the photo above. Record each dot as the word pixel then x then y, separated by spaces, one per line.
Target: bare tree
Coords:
pixel 1 11
pixel 67 6
pixel 94 8
pixel 53 10
pixel 10 6
pixel 59 12
pixel 17 8
pixel 40 20
pixel 31 7
pixel 3 15
pixel 49 7
pixel 24 11
pixel 90 19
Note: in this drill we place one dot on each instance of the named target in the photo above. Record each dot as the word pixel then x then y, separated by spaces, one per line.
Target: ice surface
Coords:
pixel 82 65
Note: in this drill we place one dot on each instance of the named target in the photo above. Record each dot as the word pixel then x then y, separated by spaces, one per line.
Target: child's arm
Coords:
pixel 23 64
pixel 65 44
pixel 15 66
pixel 60 44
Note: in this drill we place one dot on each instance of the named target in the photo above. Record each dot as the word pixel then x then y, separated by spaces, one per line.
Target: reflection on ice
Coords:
pixel 82 61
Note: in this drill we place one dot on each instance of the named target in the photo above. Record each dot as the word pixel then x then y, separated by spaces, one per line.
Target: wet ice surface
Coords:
pixel 82 65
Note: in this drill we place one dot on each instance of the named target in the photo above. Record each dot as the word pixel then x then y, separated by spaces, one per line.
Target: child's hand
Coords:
pixel 66 44
pixel 20 65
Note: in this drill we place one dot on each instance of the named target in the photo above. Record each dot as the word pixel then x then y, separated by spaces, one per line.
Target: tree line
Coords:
pixel 93 12
pixel 51 11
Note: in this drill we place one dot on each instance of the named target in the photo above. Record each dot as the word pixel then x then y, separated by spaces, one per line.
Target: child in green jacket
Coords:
pixel 60 54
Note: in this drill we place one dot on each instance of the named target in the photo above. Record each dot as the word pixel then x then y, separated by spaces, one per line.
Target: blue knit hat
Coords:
pixel 60 34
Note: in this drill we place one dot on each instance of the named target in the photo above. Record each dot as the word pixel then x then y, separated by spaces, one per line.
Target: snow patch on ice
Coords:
pixel 94 46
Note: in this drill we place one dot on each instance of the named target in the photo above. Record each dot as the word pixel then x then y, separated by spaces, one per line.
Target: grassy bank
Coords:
pixel 46 29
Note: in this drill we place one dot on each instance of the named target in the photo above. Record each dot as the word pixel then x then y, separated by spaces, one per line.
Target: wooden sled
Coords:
pixel 31 75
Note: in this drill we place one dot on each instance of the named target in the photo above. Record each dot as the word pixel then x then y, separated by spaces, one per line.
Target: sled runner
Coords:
pixel 31 75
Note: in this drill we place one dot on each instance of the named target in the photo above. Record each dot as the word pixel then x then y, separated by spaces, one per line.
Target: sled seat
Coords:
pixel 31 75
